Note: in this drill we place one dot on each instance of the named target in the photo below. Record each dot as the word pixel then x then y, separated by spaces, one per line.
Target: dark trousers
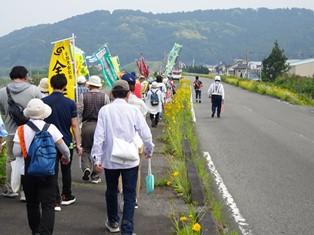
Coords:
pixel 66 177
pixel 198 95
pixel 40 191
pixel 129 178
pixel 216 104
pixel 154 119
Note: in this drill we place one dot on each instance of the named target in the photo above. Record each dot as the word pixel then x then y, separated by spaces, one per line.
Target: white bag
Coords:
pixel 123 151
pixel 17 167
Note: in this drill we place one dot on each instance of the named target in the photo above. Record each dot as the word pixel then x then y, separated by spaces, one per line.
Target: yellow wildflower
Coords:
pixel 196 227
pixel 175 173
pixel 183 219
pixel 168 183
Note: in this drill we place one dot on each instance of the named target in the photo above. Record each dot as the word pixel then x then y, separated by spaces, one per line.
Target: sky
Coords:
pixel 16 14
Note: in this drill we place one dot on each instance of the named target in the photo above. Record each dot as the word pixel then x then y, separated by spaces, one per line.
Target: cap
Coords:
pixel 130 78
pixel 121 83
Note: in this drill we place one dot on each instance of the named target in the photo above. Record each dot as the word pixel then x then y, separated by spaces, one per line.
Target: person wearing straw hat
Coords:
pixel 120 121
pixel 154 102
pixel 43 87
pixel 91 102
pixel 39 190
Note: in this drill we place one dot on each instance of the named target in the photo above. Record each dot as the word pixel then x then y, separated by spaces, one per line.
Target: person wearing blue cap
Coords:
pixel 130 78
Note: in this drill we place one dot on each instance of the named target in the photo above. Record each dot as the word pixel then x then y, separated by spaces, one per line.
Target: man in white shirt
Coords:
pixel 119 120
pixel 217 94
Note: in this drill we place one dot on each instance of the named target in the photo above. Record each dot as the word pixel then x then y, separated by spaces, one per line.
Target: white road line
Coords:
pixel 239 219
pixel 192 107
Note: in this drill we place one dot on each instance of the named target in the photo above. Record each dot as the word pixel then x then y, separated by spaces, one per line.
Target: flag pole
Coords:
pixel 70 38
pixel 74 65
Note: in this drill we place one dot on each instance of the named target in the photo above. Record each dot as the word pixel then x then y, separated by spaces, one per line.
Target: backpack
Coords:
pixel 42 152
pixel 15 110
pixel 154 98
pixel 197 84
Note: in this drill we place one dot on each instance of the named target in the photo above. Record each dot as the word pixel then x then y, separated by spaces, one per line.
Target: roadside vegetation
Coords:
pixel 178 126
pixel 2 166
pixel 283 88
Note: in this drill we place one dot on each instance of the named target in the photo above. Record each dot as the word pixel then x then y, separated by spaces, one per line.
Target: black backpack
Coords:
pixel 154 99
pixel 15 110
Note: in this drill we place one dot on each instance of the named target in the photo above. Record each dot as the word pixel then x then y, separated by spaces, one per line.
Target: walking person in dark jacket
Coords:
pixel 198 89
pixel 64 117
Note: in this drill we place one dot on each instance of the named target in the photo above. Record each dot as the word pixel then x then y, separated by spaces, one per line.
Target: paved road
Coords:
pixel 88 214
pixel 264 150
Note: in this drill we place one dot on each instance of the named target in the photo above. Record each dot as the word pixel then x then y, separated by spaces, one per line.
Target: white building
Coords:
pixel 303 67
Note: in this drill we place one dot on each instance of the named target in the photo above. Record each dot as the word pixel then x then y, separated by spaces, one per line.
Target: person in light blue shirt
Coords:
pixel 123 121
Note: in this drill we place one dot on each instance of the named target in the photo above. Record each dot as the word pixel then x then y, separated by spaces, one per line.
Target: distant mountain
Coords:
pixel 207 36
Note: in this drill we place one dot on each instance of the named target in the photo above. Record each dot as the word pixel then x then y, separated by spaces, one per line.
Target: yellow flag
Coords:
pixel 61 62
pixel 116 64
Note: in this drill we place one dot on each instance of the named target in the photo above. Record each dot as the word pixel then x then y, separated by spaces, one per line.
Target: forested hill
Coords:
pixel 208 36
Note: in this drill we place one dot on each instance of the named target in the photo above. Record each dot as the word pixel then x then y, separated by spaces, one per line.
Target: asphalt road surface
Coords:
pixel 264 150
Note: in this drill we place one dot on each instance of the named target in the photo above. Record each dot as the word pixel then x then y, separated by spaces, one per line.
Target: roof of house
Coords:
pixel 300 62
pixel 240 66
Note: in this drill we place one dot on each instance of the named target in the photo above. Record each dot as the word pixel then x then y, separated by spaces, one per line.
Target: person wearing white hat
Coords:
pixel 91 102
pixel 39 190
pixel 43 86
pixel 217 94
pixel 81 86
pixel 154 103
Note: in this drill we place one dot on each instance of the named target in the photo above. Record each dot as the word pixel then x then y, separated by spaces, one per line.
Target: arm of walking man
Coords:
pixel 77 136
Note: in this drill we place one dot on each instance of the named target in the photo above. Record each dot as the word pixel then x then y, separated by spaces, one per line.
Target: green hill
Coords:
pixel 208 36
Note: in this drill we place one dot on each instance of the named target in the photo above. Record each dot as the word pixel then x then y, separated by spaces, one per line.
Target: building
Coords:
pixel 303 67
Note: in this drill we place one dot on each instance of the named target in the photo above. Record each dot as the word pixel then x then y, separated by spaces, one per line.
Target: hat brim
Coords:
pixel 46 112
pixel 44 90
pixel 93 84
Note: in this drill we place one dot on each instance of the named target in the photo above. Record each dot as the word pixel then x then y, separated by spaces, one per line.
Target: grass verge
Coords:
pixel 178 125
pixel 270 89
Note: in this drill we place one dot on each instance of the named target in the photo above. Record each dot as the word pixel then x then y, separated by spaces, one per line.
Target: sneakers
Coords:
pixel 67 200
pixel 136 204
pixel 96 180
pixel 213 114
pixel 113 227
pixel 9 194
pixel 22 196
pixel 57 207
pixel 86 174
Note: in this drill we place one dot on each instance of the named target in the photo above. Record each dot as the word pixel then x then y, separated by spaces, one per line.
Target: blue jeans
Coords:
pixel 129 178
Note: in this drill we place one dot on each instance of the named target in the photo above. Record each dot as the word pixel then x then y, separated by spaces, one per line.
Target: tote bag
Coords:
pixel 123 151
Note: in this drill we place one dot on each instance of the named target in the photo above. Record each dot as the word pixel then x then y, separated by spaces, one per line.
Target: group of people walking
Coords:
pixel 93 127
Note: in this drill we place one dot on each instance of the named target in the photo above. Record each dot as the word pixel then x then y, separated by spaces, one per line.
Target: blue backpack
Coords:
pixel 42 152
